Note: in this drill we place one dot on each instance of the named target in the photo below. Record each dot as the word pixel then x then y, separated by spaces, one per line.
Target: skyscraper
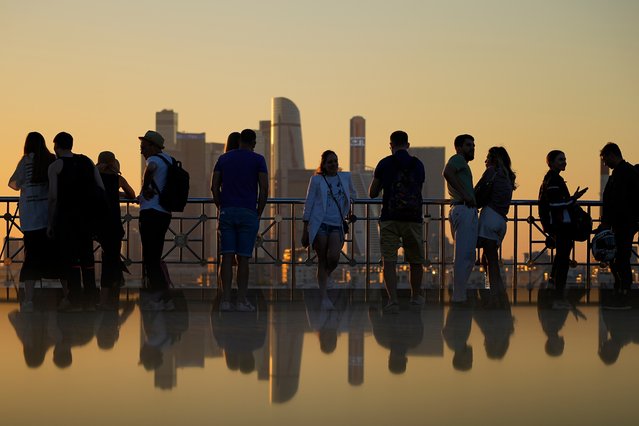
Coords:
pixel 358 144
pixel 286 144
pixel 166 124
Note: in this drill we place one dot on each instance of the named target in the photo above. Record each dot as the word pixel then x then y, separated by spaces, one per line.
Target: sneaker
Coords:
pixel 418 300
pixel 152 306
pixel 226 307
pixel 327 305
pixel 26 307
pixel 169 305
pixel 391 308
pixel 244 306
pixel 560 305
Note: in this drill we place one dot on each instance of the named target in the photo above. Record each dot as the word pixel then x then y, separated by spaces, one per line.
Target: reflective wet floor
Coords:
pixel 291 362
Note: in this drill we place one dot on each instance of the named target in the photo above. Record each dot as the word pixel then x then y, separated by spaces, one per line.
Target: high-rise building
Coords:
pixel 358 144
pixel 287 151
pixel 263 142
pixel 166 124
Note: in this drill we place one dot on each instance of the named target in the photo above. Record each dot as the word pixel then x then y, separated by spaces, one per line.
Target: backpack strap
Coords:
pixel 153 184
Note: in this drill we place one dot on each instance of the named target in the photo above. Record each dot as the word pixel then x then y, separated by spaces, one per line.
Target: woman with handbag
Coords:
pixel 326 208
pixel 493 193
pixel 554 212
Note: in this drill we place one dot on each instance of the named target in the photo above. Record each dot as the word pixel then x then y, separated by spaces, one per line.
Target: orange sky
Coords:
pixel 531 76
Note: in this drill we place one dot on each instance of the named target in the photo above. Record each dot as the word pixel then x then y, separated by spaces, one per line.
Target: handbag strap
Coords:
pixel 330 190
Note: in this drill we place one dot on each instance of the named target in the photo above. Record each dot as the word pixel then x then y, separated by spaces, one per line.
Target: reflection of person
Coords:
pixel 400 178
pixel 552 320
pixel 325 322
pixel 160 331
pixel 30 178
pixel 621 329
pixel 554 202
pixel 497 326
pixel 109 323
pixel 33 331
pixel 620 211
pixel 456 332
pixel 463 214
pixel 111 232
pixel 327 204
pixel 492 220
pixel 399 333
pixel 74 330
pixel 239 335
pixel 75 189
pixel 239 187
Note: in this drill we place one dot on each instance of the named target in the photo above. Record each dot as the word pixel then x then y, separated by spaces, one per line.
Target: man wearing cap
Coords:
pixel 463 214
pixel 75 190
pixel 240 187
pixel 154 222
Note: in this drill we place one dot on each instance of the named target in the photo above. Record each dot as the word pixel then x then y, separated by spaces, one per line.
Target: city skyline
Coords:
pixel 531 77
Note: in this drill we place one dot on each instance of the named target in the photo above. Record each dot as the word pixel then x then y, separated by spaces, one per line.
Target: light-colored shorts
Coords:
pixel 394 234
pixel 492 225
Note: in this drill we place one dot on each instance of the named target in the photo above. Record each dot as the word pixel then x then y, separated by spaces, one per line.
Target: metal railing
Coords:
pixel 192 240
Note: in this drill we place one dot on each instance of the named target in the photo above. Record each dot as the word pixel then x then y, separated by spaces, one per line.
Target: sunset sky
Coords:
pixel 531 76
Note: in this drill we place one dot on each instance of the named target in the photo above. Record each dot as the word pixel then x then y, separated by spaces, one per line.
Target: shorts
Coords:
pixel 238 230
pixel 325 229
pixel 492 225
pixel 394 234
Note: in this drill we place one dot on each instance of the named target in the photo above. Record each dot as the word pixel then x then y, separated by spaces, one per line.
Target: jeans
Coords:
pixel 463 222
pixel 153 226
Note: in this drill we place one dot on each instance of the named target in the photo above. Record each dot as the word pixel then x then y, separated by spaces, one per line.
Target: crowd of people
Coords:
pixel 67 201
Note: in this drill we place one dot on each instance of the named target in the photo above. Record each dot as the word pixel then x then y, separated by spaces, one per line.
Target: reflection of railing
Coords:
pixel 192 239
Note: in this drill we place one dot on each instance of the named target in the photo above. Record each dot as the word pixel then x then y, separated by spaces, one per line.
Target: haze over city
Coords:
pixel 529 76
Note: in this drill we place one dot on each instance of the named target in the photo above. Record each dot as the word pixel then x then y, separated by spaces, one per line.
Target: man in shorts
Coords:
pixel 400 177
pixel 240 188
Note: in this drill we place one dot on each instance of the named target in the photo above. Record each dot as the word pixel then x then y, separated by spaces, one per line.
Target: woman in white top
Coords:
pixel 327 205
pixel 30 178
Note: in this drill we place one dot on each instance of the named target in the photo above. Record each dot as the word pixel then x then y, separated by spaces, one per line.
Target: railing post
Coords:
pixel 442 247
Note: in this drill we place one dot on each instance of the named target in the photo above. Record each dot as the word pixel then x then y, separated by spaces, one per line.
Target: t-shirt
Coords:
pixel 239 170
pixel 332 215
pixel 159 177
pixel 34 197
pixel 460 165
pixel 387 170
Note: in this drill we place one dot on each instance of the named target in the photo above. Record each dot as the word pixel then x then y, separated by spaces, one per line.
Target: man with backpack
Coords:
pixel 463 214
pixel 240 189
pixel 620 212
pixel 155 219
pixel 400 177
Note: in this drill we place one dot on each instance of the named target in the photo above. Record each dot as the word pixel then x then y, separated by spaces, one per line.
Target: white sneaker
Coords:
pixel 244 306
pixel 26 307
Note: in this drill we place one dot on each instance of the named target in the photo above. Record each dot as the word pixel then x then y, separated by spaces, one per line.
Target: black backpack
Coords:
pixel 176 190
pixel 405 200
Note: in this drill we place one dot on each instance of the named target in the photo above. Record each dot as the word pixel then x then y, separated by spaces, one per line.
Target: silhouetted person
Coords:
pixel 326 322
pixel 154 223
pixel 456 332
pixel 111 231
pixel 240 190
pixel 327 206
pixel 232 142
pixel 74 330
pixel 400 177
pixel 620 212
pixel 500 179
pixel 554 204
pixel 463 214
pixel 160 331
pixel 399 333
pixel 552 320
pixel 621 328
pixel 75 195
pixel 31 179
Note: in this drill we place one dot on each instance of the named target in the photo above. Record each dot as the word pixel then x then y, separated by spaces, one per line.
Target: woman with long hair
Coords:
pixel 327 205
pixel 31 179
pixel 554 203
pixel 111 232
pixel 499 183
